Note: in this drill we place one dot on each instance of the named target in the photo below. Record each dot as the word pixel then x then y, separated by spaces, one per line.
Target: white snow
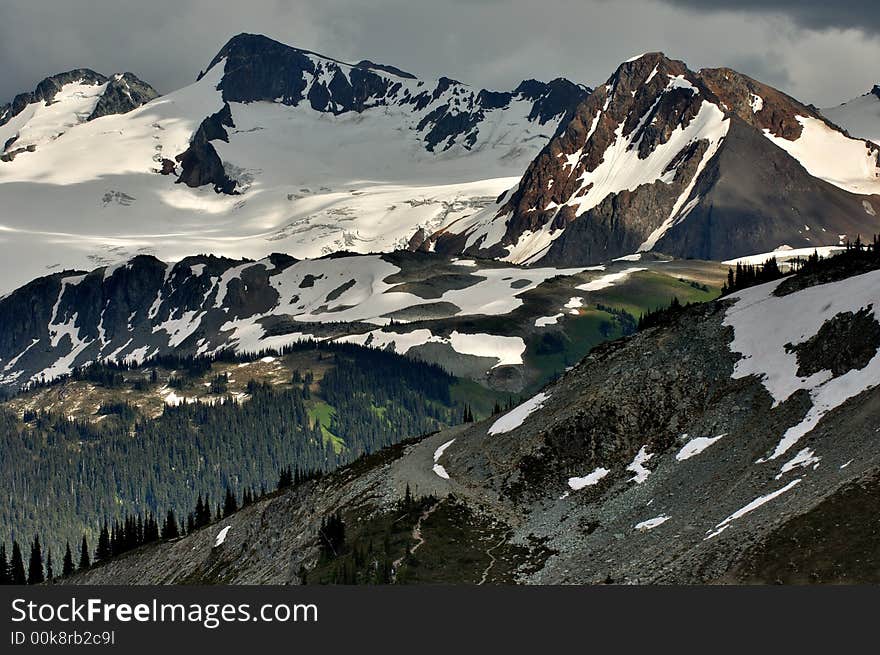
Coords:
pixel 543 321
pixel 763 324
pixel 588 480
pixel 784 253
pixel 803 459
pixel 695 446
pixel 860 117
pixel 438 468
pixel 508 351
pixel 608 280
pixel 309 182
pixel 847 163
pixel 713 129
pixel 573 304
pixel 757 103
pixel 650 524
pixel 637 466
pixel 620 169
pixel 752 506
pixel 221 536
pixel 515 417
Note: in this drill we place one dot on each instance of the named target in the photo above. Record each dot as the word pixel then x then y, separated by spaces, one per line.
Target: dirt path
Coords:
pixel 492 560
pixel 417 535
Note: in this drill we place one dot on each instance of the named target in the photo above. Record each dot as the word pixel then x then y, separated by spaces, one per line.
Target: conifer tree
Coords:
pixel 199 513
pixel 16 566
pixel 169 529
pixel 104 550
pixel 5 578
pixel 50 574
pixel 230 505
pixel 67 564
pixel 84 562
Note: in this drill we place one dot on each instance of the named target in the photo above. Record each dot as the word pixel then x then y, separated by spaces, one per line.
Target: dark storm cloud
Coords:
pixel 491 43
pixel 815 14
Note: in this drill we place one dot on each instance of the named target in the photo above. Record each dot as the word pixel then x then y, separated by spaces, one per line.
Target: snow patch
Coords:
pixel 764 323
pixel 752 506
pixel 515 417
pixel 650 524
pixel 221 536
pixel 695 446
pixel 438 468
pixel 637 466
pixel 588 480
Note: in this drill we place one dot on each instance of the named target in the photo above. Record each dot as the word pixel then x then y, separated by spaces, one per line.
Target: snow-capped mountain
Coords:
pixel 63 101
pixel 860 116
pixel 421 305
pixel 278 149
pixel 709 164
pixel 310 155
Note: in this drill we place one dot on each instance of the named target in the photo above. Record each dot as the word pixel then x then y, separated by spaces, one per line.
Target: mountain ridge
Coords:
pixel 602 177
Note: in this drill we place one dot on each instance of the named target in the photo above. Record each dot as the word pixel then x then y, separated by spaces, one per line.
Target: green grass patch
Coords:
pixel 323 413
pixel 648 290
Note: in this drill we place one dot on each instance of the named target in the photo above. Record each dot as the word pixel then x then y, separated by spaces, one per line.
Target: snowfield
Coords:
pixel 751 507
pixel 308 182
pixel 637 466
pixel 650 524
pixel 860 117
pixel 763 324
pixel 221 536
pixel 832 156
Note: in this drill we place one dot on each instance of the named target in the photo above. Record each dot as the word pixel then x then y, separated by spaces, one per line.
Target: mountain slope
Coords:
pixel 860 116
pixel 311 156
pixel 708 164
pixel 692 452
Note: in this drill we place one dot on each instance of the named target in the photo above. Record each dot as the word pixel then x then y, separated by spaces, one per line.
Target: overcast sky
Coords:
pixel 823 52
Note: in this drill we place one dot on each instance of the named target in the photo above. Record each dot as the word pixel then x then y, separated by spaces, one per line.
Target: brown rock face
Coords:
pixel 631 105
pixel 750 196
pixel 757 104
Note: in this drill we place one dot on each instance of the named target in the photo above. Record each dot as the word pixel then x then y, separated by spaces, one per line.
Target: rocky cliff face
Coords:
pixel 257 68
pixel 117 94
pixel 444 114
pixel 689 453
pixel 707 164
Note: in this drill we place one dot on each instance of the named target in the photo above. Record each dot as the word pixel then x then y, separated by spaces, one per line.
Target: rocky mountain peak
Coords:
pixel 643 153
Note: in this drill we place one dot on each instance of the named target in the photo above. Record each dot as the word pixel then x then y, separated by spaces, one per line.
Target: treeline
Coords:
pixel 130 533
pixel 743 276
pixel 64 477
pixel 661 315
